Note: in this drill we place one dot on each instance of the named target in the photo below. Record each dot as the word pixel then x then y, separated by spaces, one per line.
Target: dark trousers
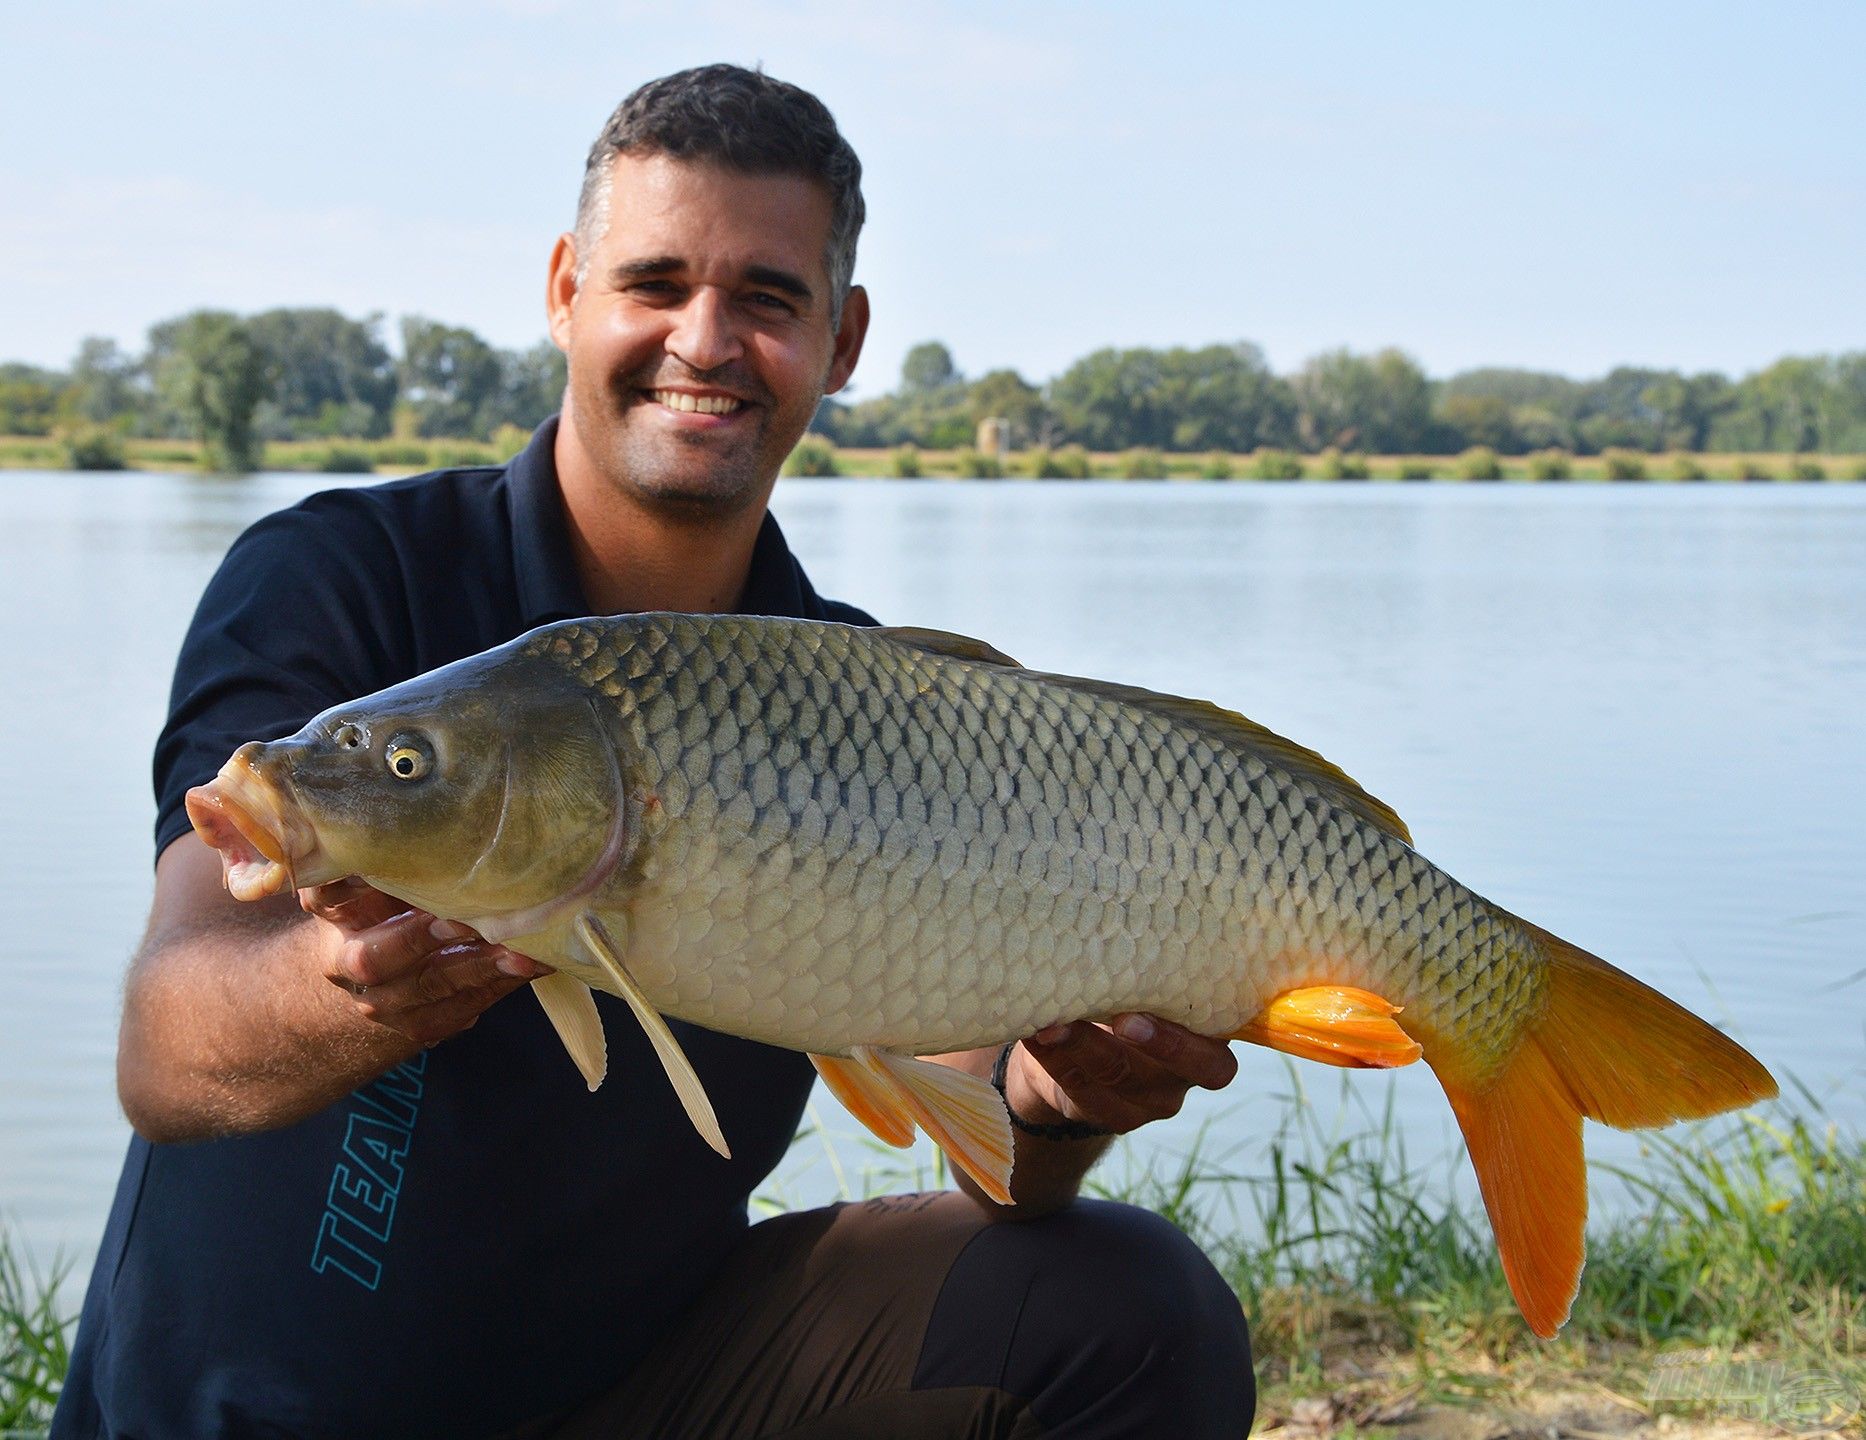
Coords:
pixel 912 1316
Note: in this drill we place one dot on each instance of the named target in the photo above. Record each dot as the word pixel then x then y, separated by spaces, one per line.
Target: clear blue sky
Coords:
pixel 1565 186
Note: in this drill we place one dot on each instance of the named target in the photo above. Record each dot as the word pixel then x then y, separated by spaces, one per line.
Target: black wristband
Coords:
pixel 1062 1130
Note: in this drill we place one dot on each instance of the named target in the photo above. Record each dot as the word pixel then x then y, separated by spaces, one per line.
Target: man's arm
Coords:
pixel 1117 1078
pixel 240 1018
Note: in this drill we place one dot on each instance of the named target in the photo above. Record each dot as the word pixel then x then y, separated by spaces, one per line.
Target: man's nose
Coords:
pixel 705 334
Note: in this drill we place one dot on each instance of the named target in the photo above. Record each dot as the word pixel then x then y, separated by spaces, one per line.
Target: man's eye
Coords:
pixel 765 300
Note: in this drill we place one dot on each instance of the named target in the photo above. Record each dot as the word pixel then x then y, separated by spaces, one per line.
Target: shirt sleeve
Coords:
pixel 306 611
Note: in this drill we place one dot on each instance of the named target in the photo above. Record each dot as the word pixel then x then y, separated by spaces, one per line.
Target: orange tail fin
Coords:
pixel 1607 1047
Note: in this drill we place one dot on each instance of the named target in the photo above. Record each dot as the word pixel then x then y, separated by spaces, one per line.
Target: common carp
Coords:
pixel 876 844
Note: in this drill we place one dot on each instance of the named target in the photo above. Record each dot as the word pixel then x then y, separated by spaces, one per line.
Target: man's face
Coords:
pixel 699 342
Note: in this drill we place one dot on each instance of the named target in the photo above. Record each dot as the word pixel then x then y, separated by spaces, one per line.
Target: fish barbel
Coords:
pixel 875 844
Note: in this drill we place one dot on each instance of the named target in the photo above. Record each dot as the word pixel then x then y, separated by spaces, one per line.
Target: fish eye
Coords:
pixel 408 757
pixel 348 736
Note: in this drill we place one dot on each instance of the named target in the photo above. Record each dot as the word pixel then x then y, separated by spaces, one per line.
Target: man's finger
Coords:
pixel 1203 1060
pixel 386 952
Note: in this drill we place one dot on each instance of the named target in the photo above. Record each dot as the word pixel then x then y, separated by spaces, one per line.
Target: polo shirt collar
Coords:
pixel 546 571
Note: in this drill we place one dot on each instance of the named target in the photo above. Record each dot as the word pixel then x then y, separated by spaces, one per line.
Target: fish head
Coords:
pixel 487 788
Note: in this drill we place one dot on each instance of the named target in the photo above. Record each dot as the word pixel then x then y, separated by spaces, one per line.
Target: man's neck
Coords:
pixel 632 558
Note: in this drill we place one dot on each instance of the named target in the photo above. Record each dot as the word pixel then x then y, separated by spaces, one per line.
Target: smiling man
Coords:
pixel 368 1195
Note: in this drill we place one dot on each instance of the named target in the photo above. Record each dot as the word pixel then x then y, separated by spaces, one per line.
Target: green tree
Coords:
pixel 1380 403
pixel 214 374
pixel 1007 394
pixel 928 366
pixel 332 375
pixel 448 374
pixel 104 386
pixel 29 399
pixel 531 387
pixel 1687 408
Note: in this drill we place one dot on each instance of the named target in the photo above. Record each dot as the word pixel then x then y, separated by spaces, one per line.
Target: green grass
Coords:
pixel 34 1341
pixel 1747 1236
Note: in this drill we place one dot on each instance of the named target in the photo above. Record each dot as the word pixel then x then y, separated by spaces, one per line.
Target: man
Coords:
pixel 367 1197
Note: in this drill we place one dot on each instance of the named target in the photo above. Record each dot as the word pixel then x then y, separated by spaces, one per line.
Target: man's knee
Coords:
pixel 1099 1314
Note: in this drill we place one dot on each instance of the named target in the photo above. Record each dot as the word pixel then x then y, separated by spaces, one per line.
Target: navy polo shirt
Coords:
pixel 474 1239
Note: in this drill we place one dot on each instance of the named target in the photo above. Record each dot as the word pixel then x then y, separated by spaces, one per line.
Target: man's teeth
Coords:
pixel 704 404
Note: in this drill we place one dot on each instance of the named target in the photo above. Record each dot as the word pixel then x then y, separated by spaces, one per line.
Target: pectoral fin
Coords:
pixel 962 1113
pixel 679 1069
pixel 573 1012
pixel 1335 1024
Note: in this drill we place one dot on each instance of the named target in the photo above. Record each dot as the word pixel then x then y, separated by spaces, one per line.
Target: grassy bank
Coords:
pixel 403 457
pixel 1732 1289
pixel 34 1341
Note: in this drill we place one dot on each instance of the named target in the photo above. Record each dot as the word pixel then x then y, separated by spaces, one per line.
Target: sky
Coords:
pixel 1563 186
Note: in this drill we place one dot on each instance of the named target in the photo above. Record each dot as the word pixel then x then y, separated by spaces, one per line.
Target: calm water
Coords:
pixel 1633 715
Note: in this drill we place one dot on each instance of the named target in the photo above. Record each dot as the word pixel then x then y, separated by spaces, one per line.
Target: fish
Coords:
pixel 877 844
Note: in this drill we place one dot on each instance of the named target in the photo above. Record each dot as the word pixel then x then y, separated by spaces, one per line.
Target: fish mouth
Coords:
pixel 264 845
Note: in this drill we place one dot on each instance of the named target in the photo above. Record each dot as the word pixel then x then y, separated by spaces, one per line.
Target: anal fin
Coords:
pixel 674 1060
pixel 865 1096
pixel 572 1011
pixel 1335 1024
pixel 962 1114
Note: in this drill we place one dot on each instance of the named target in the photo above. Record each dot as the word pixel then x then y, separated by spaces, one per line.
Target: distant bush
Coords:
pixel 1686 467
pixel 92 447
pixel 1275 465
pixel 1042 464
pixel 1217 466
pixel 1750 468
pixel 904 462
pixel 463 457
pixel 1417 470
pixel 1142 463
pixel 977 465
pixel 1073 463
pixel 1551 465
pixel 813 456
pixel 509 439
pixel 1331 464
pixel 1480 463
pixel 403 452
pixel 1857 470
pixel 1807 470
pixel 1623 464
pixel 343 460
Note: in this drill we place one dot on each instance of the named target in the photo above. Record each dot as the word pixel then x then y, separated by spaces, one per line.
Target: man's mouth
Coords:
pixel 689 403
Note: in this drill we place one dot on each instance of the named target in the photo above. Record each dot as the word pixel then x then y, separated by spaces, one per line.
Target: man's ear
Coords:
pixel 560 289
pixel 849 336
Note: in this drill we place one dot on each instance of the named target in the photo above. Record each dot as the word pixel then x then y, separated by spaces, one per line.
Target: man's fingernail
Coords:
pixel 517 966
pixel 1052 1035
pixel 1135 1028
pixel 449 930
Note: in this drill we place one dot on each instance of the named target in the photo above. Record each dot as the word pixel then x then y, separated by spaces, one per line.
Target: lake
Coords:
pixel 1632 714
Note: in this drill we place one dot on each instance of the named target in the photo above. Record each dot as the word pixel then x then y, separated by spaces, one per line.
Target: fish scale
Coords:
pixel 1035 853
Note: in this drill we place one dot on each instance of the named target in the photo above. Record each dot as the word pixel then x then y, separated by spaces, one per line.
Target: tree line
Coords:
pixel 1226 398
pixel 234 382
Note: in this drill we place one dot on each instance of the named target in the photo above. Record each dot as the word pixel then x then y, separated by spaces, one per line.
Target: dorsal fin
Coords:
pixel 1222 727
pixel 942 642
pixel 1234 732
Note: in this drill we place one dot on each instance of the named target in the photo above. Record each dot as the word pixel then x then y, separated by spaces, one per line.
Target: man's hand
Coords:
pixel 1116 1077
pixel 424 978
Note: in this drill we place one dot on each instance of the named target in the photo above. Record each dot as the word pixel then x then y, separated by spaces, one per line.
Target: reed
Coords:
pixel 34 1340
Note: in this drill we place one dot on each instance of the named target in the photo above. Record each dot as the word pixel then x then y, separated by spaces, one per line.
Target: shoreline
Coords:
pixel 815 458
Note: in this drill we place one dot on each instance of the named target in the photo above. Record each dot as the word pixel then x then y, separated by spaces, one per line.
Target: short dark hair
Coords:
pixel 743 120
